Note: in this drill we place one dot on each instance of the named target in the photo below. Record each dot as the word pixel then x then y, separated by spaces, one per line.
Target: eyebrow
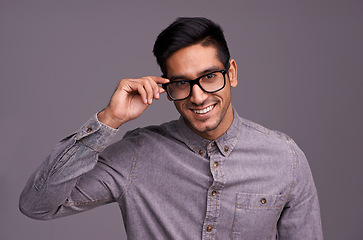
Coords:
pixel 182 77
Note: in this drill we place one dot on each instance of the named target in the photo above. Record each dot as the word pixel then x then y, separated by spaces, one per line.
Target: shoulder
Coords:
pixel 271 142
pixel 151 135
pixel 278 146
pixel 279 142
pixel 255 132
pixel 165 129
pixel 139 138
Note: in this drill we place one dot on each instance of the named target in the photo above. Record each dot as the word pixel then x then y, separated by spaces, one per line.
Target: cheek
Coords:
pixel 226 94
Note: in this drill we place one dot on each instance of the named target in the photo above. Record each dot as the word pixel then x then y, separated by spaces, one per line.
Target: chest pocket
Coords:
pixel 256 216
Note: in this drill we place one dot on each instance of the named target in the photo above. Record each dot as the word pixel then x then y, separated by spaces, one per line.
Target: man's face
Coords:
pixel 207 114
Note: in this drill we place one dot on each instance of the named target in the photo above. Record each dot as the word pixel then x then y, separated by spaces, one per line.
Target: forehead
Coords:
pixel 192 61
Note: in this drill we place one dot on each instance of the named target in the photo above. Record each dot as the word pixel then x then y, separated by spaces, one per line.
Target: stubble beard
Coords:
pixel 211 127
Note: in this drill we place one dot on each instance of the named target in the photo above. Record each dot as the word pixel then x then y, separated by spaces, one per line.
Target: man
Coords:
pixel 210 174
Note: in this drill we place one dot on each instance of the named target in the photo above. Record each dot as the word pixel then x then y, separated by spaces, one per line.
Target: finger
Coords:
pixel 161 90
pixel 142 93
pixel 155 87
pixel 147 87
pixel 147 83
pixel 160 80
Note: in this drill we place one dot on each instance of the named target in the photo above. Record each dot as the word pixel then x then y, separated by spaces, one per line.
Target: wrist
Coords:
pixel 106 118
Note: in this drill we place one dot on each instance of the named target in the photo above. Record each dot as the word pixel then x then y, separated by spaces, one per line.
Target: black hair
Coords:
pixel 187 31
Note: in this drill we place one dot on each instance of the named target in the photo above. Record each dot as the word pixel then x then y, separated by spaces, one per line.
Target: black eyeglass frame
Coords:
pixel 195 81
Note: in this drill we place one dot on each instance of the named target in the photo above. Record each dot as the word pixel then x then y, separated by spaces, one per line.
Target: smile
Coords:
pixel 205 110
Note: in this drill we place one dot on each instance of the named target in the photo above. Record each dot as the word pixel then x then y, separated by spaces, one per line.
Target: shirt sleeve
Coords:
pixel 300 218
pixel 52 190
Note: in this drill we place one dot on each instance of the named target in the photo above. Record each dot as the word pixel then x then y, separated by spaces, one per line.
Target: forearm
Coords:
pixel 52 183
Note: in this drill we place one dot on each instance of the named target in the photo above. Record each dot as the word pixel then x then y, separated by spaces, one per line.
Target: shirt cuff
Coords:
pixel 95 134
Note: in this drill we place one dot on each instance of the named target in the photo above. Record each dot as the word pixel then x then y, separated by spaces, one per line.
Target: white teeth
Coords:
pixel 205 110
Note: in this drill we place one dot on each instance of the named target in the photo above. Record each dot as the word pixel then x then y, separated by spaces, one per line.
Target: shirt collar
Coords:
pixel 198 144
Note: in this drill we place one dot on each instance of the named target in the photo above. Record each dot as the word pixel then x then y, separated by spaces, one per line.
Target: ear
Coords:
pixel 232 72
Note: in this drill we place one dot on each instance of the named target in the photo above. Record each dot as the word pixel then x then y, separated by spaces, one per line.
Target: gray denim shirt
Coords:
pixel 170 183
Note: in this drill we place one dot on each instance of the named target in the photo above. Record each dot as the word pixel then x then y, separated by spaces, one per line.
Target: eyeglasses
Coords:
pixel 211 82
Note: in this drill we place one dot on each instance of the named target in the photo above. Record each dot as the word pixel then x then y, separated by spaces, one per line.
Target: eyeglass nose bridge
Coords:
pixel 195 82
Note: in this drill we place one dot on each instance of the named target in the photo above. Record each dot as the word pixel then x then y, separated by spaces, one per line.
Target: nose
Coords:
pixel 198 96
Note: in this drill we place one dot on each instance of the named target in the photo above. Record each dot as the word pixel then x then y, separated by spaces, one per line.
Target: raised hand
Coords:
pixel 130 100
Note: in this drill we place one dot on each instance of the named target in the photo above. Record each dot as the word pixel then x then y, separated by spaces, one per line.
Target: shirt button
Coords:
pixel 89 129
pixel 216 164
pixel 209 228
pixel 226 149
pixel 263 200
pixel 212 144
pixel 200 152
pixel 214 193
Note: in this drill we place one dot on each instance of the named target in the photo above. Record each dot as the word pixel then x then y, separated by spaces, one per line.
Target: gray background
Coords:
pixel 300 72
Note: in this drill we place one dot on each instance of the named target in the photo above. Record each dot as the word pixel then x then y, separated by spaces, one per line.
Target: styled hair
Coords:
pixel 188 31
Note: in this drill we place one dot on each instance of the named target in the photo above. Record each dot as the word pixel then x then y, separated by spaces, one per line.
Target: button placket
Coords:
pixel 213 200
pixel 214 193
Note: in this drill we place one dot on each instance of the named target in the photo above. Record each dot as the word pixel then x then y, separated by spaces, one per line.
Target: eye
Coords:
pixel 180 83
pixel 211 75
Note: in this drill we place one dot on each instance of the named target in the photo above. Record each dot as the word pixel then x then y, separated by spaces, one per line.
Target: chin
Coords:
pixel 203 127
